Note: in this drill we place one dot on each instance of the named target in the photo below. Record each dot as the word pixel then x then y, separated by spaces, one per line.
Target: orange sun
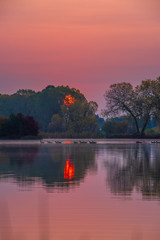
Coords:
pixel 69 100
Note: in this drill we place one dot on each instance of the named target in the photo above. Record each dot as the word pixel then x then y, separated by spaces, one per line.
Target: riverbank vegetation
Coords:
pixel 63 112
pixel 58 111
pixel 18 126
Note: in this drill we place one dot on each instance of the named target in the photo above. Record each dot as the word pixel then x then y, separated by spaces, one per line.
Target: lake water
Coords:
pixel 105 191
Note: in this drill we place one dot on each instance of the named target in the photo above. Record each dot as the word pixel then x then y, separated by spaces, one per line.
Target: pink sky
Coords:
pixel 81 43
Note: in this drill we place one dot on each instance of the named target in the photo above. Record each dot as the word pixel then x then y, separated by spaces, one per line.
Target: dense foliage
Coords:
pixel 49 109
pixel 77 120
pixel 41 105
pixel 115 128
pixel 17 126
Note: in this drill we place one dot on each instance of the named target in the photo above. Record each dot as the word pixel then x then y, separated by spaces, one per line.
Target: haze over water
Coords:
pixel 80 192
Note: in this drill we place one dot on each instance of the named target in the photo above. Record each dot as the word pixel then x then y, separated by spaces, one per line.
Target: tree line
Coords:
pixel 129 111
pixel 49 113
pixel 40 105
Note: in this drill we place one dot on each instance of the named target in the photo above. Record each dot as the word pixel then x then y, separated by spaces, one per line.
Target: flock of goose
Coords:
pixel 44 141
pixel 151 141
pixel 51 141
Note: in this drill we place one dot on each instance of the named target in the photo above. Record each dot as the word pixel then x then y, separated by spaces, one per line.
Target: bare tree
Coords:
pixel 139 103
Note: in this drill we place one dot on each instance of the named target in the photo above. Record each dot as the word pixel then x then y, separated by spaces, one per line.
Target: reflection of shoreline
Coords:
pixel 133 167
pixel 45 165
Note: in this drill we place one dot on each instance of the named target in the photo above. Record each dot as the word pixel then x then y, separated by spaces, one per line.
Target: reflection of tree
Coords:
pixel 132 167
pixel 46 164
pixel 17 159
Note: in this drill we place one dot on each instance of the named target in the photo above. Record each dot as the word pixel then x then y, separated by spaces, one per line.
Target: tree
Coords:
pixel 113 127
pixel 3 125
pixel 56 124
pixel 140 103
pixel 30 126
pixel 77 118
pixel 25 92
pixel 80 117
pixel 17 126
pixel 146 101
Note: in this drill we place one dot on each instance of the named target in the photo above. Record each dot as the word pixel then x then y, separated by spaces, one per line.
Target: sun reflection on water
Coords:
pixel 69 169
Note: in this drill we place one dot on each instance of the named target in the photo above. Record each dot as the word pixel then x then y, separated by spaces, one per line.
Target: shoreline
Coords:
pixel 69 141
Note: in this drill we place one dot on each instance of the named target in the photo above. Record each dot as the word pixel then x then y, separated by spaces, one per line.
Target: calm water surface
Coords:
pixel 80 192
